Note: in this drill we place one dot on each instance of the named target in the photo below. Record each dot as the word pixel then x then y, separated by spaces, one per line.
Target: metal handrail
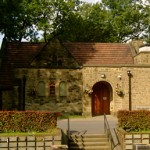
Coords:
pixel 109 134
pixel 68 132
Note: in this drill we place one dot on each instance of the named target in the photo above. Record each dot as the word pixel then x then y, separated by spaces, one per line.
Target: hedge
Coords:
pixel 27 121
pixel 136 120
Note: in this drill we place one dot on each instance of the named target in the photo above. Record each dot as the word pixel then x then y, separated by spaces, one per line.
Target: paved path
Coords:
pixel 90 125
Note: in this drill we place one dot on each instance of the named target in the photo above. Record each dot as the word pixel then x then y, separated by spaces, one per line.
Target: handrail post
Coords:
pixel 68 132
pixel 68 128
pixel 104 123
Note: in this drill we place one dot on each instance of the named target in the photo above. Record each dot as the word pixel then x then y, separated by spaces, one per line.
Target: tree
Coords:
pixel 17 19
pixel 129 18
pixel 24 18
pixel 59 20
pixel 98 23
pixel 108 21
pixel 73 20
pixel 88 24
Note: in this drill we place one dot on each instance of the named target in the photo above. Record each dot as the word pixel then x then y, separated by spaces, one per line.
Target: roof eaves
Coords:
pixel 107 65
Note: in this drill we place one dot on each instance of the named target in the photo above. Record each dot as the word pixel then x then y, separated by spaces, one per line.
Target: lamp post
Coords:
pixel 130 102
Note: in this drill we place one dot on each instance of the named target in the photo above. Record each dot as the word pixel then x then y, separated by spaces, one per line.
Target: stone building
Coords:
pixel 78 78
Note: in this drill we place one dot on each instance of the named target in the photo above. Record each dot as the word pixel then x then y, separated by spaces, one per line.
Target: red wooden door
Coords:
pixel 100 99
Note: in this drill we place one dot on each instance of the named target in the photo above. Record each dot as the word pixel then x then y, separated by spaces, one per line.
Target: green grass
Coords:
pixel 51 132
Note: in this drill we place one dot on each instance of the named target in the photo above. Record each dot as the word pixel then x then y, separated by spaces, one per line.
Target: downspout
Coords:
pixel 24 92
pixel 130 99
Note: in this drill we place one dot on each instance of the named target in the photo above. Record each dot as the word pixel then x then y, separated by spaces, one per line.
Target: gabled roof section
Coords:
pixel 101 53
pixel 55 55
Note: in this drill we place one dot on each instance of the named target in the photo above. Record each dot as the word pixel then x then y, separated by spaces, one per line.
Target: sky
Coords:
pixel 89 1
pixel 1 38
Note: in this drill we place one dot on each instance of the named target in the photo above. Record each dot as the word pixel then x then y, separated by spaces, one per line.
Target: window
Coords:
pixel 54 60
pixel 52 88
pixel 41 88
pixel 57 61
pixel 62 89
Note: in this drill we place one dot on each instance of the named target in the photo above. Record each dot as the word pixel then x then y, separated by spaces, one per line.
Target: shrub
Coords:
pixel 27 121
pixel 136 120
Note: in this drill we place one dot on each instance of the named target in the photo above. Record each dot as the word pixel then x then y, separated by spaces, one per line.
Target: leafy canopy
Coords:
pixel 74 20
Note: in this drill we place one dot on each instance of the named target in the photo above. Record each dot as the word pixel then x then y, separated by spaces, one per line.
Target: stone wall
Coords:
pixel 73 98
pixel 142 58
pixel 66 95
pixel 92 75
pixel 7 97
pixel 140 86
pixel 29 142
pixel 129 140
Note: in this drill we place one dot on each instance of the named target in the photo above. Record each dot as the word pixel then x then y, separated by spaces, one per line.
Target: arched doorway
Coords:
pixel 101 98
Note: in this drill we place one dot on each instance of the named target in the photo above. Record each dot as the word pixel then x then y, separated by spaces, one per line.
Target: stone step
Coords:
pixel 90 148
pixel 89 135
pixel 89 142
pixel 87 138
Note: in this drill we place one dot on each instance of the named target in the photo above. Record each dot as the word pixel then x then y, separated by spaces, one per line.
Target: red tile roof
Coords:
pixel 101 53
pixel 21 54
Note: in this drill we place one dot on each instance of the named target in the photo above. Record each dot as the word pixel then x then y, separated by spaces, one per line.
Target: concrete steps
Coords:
pixel 89 142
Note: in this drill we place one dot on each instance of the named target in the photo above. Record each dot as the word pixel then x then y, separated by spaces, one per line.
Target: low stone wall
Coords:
pixel 29 142
pixel 129 140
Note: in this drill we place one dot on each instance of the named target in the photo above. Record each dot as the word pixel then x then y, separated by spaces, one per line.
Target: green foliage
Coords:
pixel 27 121
pixel 137 120
pixel 17 19
pixel 24 18
pixel 129 18
pixel 73 20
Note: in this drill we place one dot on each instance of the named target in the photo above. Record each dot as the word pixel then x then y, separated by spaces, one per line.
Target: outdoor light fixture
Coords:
pixel 129 73
pixel 119 76
pixel 102 75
